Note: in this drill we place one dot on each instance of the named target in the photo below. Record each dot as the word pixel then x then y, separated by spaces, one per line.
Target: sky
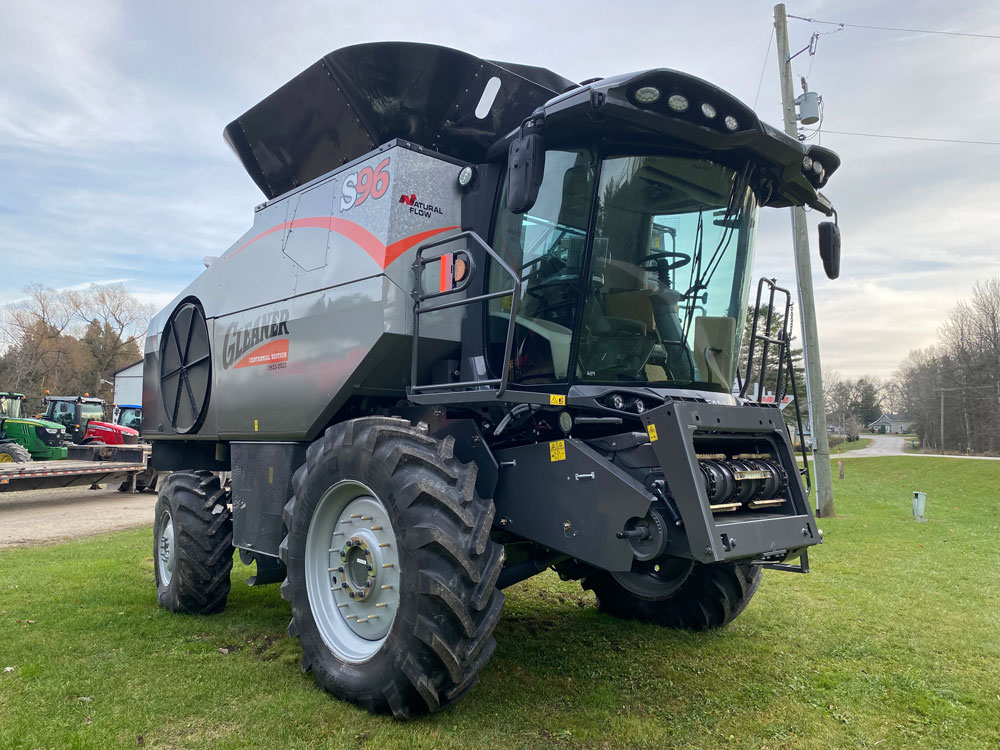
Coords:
pixel 113 167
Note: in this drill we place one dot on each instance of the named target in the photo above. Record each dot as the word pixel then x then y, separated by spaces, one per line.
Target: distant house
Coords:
pixel 892 424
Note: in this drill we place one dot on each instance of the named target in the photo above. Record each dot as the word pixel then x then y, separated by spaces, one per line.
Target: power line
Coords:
pixel 893 28
pixel 915 138
pixel 763 68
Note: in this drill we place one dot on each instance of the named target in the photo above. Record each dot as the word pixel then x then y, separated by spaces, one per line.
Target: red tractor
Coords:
pixel 83 417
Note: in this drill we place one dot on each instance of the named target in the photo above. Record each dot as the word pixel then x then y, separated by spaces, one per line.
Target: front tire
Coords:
pixel 192 544
pixel 677 593
pixel 14 453
pixel 391 572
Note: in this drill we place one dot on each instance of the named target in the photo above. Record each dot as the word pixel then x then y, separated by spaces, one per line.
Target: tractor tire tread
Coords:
pixel 447 637
pixel 203 539
pixel 18 453
pixel 712 596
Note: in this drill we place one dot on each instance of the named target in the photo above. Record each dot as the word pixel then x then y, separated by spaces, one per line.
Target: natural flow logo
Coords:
pixel 418 208
pixel 263 341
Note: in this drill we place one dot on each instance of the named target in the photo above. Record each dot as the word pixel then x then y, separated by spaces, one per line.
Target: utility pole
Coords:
pixel 807 306
pixel 942 421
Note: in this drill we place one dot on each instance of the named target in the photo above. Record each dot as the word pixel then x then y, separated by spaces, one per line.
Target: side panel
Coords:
pixel 306 296
pixel 270 384
pixel 262 484
pixel 568 497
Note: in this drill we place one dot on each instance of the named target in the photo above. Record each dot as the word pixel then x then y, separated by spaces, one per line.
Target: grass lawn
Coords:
pixel 851 445
pixel 892 642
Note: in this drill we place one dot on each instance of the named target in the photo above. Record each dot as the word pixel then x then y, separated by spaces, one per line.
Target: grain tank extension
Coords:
pixel 486 323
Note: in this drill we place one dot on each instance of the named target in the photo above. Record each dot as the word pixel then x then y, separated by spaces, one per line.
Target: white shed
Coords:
pixel 128 385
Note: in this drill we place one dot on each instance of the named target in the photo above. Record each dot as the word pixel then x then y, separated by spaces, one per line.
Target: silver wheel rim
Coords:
pixel 165 548
pixel 352 571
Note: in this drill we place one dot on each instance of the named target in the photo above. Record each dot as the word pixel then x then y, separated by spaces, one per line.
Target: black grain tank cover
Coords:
pixel 360 97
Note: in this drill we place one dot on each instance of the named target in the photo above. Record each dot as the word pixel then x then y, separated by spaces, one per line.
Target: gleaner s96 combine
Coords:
pixel 486 323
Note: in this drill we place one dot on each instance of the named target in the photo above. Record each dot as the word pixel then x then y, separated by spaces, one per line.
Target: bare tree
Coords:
pixel 115 322
pixel 69 341
pixel 34 329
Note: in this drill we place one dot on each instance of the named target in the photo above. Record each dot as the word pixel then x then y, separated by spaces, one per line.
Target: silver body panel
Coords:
pixel 314 300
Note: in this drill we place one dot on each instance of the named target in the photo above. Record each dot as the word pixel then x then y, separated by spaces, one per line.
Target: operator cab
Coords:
pixel 657 298
pixel 10 405
pixel 74 412
pixel 128 415
pixel 628 208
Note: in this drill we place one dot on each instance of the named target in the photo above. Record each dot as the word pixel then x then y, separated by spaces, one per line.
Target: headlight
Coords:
pixel 53 430
pixel 647 95
pixel 678 103
pixel 618 401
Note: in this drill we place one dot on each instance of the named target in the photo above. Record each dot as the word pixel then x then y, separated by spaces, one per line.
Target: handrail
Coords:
pixel 782 342
pixel 419 296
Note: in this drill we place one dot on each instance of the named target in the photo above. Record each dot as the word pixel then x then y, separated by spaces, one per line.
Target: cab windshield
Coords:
pixel 657 297
pixel 10 407
pixel 91 412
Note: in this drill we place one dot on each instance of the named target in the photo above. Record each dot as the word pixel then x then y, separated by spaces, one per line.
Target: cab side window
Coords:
pixel 64 413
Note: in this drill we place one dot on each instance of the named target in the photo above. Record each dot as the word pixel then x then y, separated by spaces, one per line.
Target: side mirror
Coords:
pixel 525 169
pixel 829 248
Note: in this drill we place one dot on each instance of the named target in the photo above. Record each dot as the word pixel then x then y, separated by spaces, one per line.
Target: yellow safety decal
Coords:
pixel 651 429
pixel 557 450
pixel 556 400
pixel 255 425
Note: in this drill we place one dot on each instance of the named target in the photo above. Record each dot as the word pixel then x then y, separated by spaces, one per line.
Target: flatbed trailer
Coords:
pixel 38 475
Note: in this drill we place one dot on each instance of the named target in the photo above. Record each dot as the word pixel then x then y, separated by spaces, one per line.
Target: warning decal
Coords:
pixel 557 450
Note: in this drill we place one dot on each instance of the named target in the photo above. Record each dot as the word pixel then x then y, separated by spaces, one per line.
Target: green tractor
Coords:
pixel 26 439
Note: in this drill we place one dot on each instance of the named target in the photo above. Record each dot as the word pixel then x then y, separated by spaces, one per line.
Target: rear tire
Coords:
pixel 14 453
pixel 192 544
pixel 434 620
pixel 698 597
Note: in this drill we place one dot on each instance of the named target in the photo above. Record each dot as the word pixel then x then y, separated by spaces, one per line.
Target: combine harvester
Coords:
pixel 486 323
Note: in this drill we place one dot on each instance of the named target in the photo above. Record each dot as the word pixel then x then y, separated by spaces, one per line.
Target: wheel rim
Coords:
pixel 352 571
pixel 165 548
pixel 6 458
pixel 656 579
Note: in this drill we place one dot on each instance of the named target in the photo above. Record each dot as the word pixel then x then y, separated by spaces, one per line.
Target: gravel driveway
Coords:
pixel 892 445
pixel 47 516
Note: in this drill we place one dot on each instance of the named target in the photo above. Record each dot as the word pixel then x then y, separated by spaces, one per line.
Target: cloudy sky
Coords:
pixel 113 167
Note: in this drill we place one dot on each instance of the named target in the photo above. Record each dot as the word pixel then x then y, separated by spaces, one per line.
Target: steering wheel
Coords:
pixel 673 260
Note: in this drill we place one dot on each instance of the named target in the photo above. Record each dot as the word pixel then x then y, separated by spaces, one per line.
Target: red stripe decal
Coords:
pixel 381 254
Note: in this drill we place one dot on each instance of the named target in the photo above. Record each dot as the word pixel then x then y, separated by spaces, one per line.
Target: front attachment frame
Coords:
pixel 676 428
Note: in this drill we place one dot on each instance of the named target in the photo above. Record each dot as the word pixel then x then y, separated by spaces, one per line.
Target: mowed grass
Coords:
pixel 850 445
pixel 892 642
